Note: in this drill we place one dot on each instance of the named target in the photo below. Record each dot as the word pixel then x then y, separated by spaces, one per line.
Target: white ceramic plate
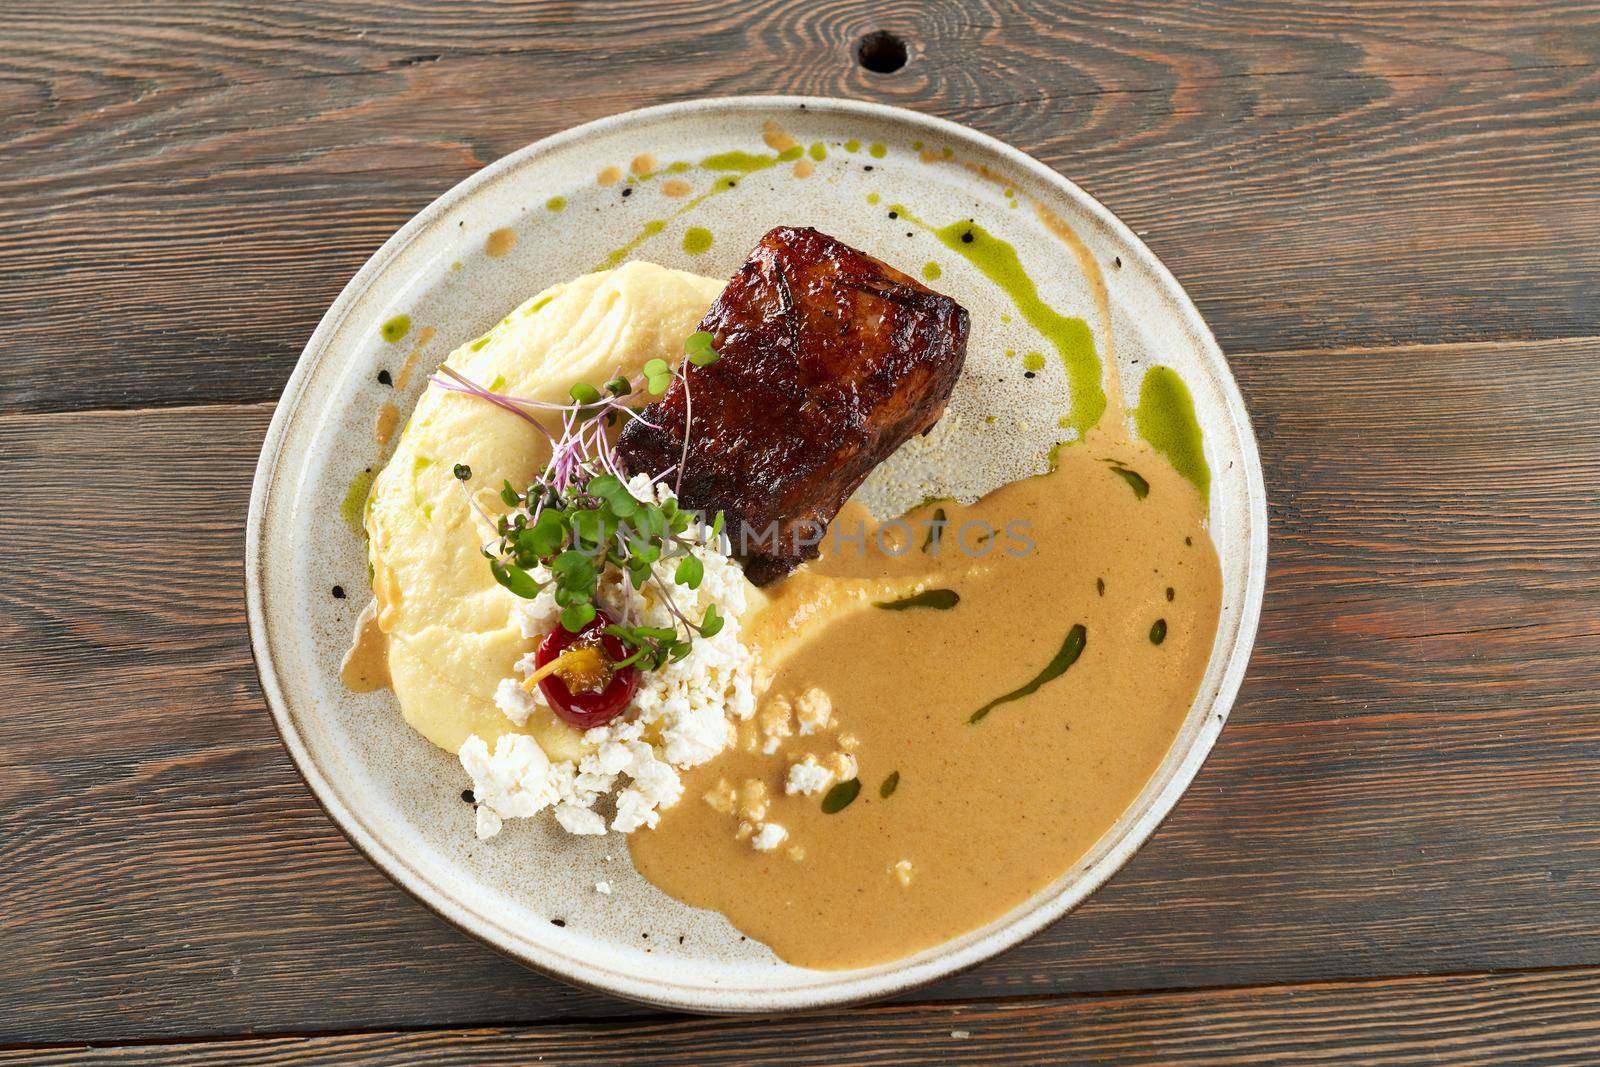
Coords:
pixel 395 796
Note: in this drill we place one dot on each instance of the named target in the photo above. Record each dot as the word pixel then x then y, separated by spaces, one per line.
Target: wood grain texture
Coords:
pixel 180 180
pixel 1526 1020
pixel 1407 785
pixel 1391 205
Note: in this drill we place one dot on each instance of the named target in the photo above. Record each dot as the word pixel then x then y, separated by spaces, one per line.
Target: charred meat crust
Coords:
pixel 830 360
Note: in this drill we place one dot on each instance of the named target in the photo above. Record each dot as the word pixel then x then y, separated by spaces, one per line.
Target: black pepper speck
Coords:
pixel 966 238
pixel 1027 374
pixel 894 214
pixel 338 592
pixel 628 191
pixel 466 794
pixel 384 379
pixel 558 922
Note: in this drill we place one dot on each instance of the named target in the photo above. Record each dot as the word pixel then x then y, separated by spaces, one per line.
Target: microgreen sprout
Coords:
pixel 698 348
pixel 578 517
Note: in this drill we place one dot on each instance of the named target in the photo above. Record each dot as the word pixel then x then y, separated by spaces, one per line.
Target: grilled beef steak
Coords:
pixel 830 360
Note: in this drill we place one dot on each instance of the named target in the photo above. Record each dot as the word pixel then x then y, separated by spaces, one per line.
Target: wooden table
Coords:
pixel 1390 213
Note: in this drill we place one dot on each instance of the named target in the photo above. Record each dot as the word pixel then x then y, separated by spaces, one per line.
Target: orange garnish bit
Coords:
pixel 584 669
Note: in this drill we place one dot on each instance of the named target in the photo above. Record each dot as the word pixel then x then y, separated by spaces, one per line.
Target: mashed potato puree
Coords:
pixel 868 806
pixel 451 631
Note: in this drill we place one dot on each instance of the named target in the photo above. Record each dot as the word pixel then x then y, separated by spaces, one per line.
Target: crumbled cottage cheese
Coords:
pixel 808 777
pixel 514 702
pixel 687 707
pixel 512 783
pixel 722 797
pixel 753 800
pixel 814 710
pixel 775 724
pixel 902 873
pixel 842 764
pixel 769 837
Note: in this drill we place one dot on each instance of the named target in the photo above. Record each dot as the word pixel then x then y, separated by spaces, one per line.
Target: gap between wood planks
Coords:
pixel 1354 351
pixel 862 1012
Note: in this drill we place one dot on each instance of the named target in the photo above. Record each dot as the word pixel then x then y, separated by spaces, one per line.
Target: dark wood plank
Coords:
pixel 201 178
pixel 1525 1019
pixel 1407 785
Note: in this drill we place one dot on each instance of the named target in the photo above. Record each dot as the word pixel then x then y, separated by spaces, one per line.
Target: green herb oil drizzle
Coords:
pixel 1068 335
pixel 935 531
pixel 353 507
pixel 396 328
pixel 1165 418
pixel 1135 480
pixel 1071 649
pixel 729 164
pixel 841 796
pixel 938 599
pixel 696 240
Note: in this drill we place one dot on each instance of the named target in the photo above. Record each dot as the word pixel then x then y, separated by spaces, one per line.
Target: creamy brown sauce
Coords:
pixel 776 137
pixel 388 419
pixel 1102 299
pixel 500 242
pixel 366 664
pixel 424 335
pixel 985 813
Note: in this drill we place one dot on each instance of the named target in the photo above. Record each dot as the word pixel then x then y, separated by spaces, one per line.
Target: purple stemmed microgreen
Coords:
pixel 578 518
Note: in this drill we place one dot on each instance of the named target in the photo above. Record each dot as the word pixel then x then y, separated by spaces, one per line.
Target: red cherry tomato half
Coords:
pixel 586 709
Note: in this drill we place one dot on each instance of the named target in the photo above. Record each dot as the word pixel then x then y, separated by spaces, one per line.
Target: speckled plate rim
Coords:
pixel 1025 920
